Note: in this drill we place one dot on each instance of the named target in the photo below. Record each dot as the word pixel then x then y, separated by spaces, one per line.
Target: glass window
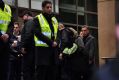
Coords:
pixel 68 8
pixel 68 4
pixel 36 4
pixel 80 9
pixel 72 2
pixel 91 5
pixel 23 3
pixel 10 2
pixel 81 6
pixel 81 18
pixel 92 20
pixel 57 6
pixel 68 16
pixel 81 3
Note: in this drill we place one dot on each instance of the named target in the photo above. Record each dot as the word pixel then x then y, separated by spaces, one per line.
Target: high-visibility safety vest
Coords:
pixel 5 18
pixel 45 29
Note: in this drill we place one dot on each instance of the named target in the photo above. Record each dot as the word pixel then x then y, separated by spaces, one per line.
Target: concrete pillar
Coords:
pixel 106 31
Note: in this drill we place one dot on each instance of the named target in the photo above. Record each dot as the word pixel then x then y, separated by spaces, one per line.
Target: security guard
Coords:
pixel 43 29
pixel 5 19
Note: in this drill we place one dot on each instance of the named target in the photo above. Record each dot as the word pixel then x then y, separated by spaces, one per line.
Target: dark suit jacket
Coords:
pixel 79 60
pixel 90 47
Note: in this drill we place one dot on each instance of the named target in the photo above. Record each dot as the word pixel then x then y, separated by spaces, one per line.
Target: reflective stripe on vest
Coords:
pixel 5 18
pixel 45 28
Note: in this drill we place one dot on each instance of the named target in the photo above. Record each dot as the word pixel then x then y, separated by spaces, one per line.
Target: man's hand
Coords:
pixel 54 44
pixel 60 56
pixel 5 37
pixel 23 50
pixel 20 55
pixel 14 44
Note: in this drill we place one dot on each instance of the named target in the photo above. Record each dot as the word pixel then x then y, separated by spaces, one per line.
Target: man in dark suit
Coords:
pixel 29 57
pixel 90 47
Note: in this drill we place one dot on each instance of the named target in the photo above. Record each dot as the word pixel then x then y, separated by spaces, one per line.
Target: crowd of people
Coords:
pixel 44 49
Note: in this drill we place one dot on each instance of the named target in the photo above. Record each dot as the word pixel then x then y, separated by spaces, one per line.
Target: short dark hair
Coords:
pixel 16 23
pixel 44 3
pixel 85 26
pixel 29 13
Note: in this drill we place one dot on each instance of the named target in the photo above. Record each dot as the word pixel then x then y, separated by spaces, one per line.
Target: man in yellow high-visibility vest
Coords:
pixel 5 19
pixel 43 29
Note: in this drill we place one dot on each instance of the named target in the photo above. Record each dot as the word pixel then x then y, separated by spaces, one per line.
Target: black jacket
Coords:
pixel 44 55
pixel 90 46
pixel 65 39
pixel 79 59
pixel 14 51
pixel 31 28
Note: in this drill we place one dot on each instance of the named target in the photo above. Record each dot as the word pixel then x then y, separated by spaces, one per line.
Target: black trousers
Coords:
pixel 73 70
pixel 14 70
pixel 47 72
pixel 3 63
pixel 29 65
pixel 66 69
pixel 46 64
